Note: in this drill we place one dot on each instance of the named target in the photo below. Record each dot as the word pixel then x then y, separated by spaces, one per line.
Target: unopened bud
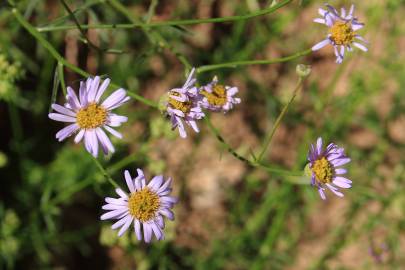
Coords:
pixel 303 70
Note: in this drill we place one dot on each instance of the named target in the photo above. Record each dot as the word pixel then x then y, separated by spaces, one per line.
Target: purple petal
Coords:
pixel 360 46
pixel 351 10
pixel 129 181
pixel 319 20
pixel 157 231
pixel 322 12
pixel 319 146
pixel 102 88
pixel 340 171
pixel 335 190
pixel 83 94
pixel 72 98
pixel 104 141
pixel 63 110
pixel 182 130
pixel 342 51
pixel 190 80
pixel 113 214
pixel 116 120
pixel 320 45
pixel 61 117
pixel 147 232
pixel 357 26
pixel 116 201
pixel 66 132
pixel 120 103
pixel 193 125
pixel 321 193
pixel 339 58
pixel 120 222
pixel 160 222
pixel 167 213
pixel 121 193
pixel 125 227
pixel 113 132
pixel 343 12
pixel 87 143
pixel 137 227
pixel 165 186
pixel 343 184
pixel 93 89
pixel 156 182
pixel 93 141
pixel 340 162
pixel 329 19
pixel 112 207
pixel 116 97
pixel 343 179
pixel 79 136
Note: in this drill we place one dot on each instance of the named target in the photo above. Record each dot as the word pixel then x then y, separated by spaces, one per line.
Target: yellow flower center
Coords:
pixel 342 33
pixel 143 204
pixel 323 170
pixel 91 117
pixel 185 106
pixel 217 97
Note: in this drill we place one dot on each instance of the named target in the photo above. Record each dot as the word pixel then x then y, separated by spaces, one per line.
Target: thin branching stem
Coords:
pixel 235 64
pixel 171 23
pixel 48 46
pixel 244 159
pixel 154 37
pixel 83 33
pixel 105 173
pixel 268 139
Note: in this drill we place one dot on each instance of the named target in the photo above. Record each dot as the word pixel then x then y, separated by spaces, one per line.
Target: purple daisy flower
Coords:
pixel 87 116
pixel 145 206
pixel 182 105
pixel 342 31
pixel 217 97
pixel 378 252
pixel 325 166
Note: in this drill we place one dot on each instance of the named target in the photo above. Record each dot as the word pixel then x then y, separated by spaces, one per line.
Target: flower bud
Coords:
pixel 303 70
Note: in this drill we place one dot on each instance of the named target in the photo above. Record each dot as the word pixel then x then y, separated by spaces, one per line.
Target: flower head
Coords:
pixel 325 168
pixel 342 31
pixel 88 116
pixel 218 97
pixel 145 206
pixel 379 252
pixel 182 105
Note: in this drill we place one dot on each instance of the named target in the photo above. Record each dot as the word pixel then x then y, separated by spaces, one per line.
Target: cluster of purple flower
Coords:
pixel 147 203
pixel 187 103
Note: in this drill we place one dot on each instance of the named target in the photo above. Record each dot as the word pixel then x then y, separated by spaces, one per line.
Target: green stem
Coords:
pixel 106 174
pixel 154 37
pixel 63 61
pixel 278 121
pixel 123 162
pixel 84 35
pixel 45 43
pixel 61 77
pixel 77 23
pixel 173 22
pixel 235 64
pixel 245 160
pixel 151 11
